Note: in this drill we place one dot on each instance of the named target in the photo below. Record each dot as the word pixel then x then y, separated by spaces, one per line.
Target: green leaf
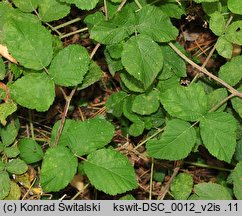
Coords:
pixel 16 166
pixel 115 50
pixel 218 132
pixel 237 180
pixel 131 83
pixel 229 72
pixel 14 193
pixel 27 5
pixel 5 184
pixel 181 186
pixel 234 32
pixel 82 4
pixel 237 103
pixel 212 7
pixel 200 1
pixel 127 197
pixel 2 165
pixel 93 19
pixel 175 143
pixel 9 133
pixel 29 42
pixel 146 104
pixel 30 151
pixel 115 1
pixel 136 128
pixel 2 69
pixel 84 137
pixel 58 168
pixel 155 120
pixel 238 151
pixel 172 82
pixel 215 97
pixel 50 10
pixel 142 58
pixel 224 47
pixel 114 103
pixel 7 109
pixel 235 6
pixel 116 29
pixel 211 191
pixel 11 151
pixel 188 103
pixel 127 109
pixel 34 91
pixel 173 63
pixel 217 23
pixel 110 171
pixel 172 9
pixel 93 75
pixel 155 23
pixel 114 65
pixel 75 60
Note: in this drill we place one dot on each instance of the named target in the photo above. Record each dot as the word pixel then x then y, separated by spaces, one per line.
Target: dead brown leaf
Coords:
pixel 4 52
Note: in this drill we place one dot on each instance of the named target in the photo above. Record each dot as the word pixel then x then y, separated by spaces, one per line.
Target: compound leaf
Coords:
pixel 155 23
pixel 181 186
pixel 34 91
pixel 110 171
pixel 237 180
pixel 84 137
pixel 217 23
pixel 82 4
pixel 70 65
pixel 50 10
pixel 114 103
pixel 116 29
pixel 5 184
pixel 218 132
pixel 235 6
pixel 146 104
pixel 211 191
pixel 188 103
pixel 234 32
pixel 175 143
pixel 237 103
pixel 224 47
pixel 230 72
pixel 29 42
pixel 215 97
pixel 93 75
pixel 27 5
pixel 142 58
pixel 58 168
pixel 30 150
pixel 16 166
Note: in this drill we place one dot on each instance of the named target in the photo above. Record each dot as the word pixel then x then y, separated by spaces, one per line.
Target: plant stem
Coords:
pixel 150 137
pixel 79 192
pixel 151 178
pixel 138 4
pixel 168 184
pixel 205 71
pixel 105 10
pixel 72 33
pixel 95 50
pixel 67 23
pixel 121 6
pixel 207 166
pixel 221 103
pixel 53 29
pixel 68 101
pixel 31 124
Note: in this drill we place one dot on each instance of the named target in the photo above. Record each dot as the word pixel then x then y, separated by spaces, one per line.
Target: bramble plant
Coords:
pixel 138 40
